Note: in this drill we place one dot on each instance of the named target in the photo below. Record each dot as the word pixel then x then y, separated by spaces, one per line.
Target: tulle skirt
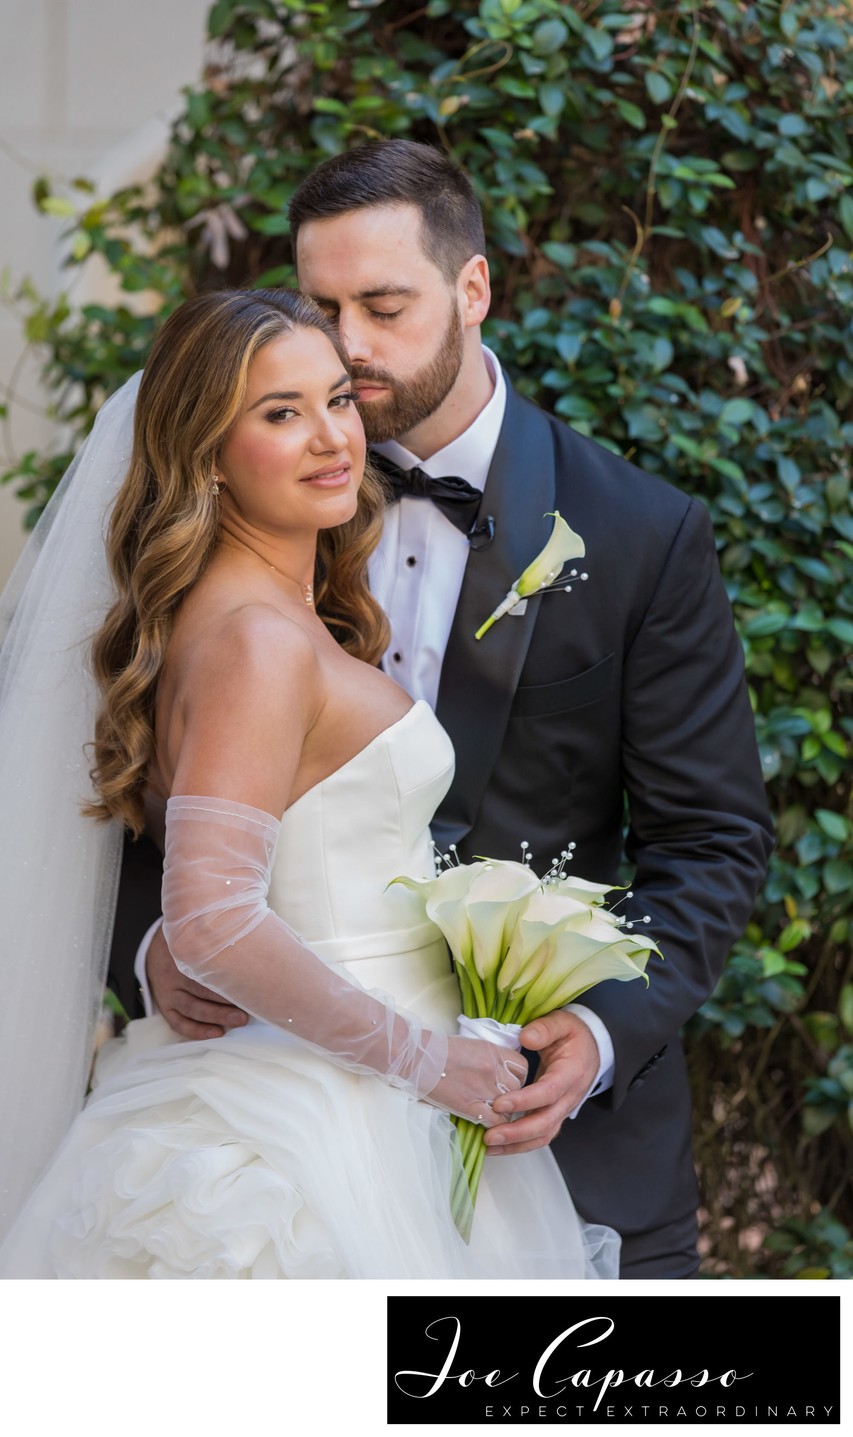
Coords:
pixel 250 1156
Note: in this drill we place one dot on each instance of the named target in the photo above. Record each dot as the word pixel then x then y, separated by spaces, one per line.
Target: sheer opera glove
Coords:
pixel 222 933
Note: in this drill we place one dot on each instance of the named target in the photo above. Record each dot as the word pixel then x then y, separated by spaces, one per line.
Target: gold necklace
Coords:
pixel 307 589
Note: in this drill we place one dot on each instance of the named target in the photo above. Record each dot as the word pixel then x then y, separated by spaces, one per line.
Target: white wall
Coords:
pixel 87 87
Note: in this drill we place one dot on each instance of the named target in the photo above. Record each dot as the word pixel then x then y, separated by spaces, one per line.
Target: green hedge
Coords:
pixel 668 190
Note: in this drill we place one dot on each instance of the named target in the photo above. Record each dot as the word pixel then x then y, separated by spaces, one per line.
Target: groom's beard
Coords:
pixel 410 401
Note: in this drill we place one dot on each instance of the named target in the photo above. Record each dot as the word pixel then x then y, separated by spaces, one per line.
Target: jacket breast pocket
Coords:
pixel 589 687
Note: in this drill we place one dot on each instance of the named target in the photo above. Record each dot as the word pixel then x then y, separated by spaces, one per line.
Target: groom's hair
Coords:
pixel 398 172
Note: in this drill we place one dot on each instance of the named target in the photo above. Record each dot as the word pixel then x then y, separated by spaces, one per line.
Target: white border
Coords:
pixel 135 1359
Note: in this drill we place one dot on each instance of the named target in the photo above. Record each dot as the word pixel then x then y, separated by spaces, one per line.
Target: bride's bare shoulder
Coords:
pixel 249 641
pixel 240 685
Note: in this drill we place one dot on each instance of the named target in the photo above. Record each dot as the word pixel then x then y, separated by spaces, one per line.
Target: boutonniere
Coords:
pixel 563 544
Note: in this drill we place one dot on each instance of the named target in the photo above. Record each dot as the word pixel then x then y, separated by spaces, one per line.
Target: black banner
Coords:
pixel 587 1360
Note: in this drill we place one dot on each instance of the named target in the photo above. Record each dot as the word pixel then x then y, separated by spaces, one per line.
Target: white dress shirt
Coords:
pixel 417 569
pixel 416 575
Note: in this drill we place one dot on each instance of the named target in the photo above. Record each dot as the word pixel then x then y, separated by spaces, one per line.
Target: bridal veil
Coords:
pixel 59 870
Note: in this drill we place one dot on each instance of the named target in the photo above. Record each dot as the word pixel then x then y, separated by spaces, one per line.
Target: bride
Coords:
pixel 238 702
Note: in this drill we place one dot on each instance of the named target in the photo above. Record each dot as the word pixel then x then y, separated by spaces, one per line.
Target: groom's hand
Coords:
pixel 568 1066
pixel 193 1011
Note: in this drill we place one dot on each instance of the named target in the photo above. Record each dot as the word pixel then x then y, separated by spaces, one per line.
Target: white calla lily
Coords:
pixel 531 945
pixel 476 906
pixel 494 904
pixel 570 886
pixel 445 903
pixel 561 947
pixel 564 544
pixel 579 961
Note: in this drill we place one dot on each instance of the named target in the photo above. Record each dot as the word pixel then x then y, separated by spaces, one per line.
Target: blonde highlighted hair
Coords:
pixel 165 523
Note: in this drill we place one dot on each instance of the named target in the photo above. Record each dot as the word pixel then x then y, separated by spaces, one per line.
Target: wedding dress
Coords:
pixel 253 1156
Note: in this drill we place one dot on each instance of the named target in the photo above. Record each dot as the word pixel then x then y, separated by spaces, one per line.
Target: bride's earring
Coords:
pixel 216 484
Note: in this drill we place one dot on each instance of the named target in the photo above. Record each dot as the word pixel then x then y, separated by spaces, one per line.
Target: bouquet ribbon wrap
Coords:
pixel 505 1034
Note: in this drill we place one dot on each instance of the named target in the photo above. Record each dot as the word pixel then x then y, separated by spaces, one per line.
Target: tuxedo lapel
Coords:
pixel 479 678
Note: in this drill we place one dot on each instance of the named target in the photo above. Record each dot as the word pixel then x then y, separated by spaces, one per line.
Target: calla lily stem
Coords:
pixel 512 598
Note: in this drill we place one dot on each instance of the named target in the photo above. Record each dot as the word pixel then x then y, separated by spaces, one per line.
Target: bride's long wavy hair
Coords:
pixel 165 523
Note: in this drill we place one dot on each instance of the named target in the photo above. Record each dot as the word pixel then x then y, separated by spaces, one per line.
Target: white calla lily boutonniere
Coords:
pixel 564 544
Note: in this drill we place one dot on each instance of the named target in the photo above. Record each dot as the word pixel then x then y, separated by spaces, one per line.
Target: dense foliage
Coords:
pixel 668 190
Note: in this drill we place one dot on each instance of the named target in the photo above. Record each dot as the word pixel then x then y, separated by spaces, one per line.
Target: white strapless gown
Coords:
pixel 249 1156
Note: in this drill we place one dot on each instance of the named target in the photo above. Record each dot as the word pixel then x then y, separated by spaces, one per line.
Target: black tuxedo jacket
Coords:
pixel 632 684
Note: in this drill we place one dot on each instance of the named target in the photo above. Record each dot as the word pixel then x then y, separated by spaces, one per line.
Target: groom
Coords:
pixel 630 684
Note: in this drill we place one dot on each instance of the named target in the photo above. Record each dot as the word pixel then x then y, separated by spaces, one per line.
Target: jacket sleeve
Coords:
pixel 137 908
pixel 700 832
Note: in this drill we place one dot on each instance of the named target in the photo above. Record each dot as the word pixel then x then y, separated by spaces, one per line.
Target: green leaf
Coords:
pixel 736 412
pixel 767 623
pixel 841 629
pixel 794 934
pixel 562 254
pixel 789 22
pixel 834 825
pixel 55 205
pixel 270 224
pixel 220 18
pixel 789 472
pixel 658 88
pixel 693 317
pixel 718 242
pixel 569 347
pixel 740 160
pixel 600 43
pixel 845 1006
pixel 326 105
pixel 845 213
pixel 828 767
pixel 662 354
pixel 772 963
pixel 114 1005
pixel 575 406
pixel 81 245
pixel 837 876
pixel 520 89
pixel 631 114
pixel 552 99
pixel 837 490
pixel 817 190
pixel 793 124
pixel 549 37
pixel 809 618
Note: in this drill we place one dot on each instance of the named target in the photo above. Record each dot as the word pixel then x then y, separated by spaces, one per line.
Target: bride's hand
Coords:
pixel 475 1074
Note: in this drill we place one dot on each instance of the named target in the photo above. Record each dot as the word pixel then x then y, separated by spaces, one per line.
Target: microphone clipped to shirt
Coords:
pixel 458 500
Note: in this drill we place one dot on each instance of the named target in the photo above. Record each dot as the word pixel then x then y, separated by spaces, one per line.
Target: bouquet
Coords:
pixel 521 946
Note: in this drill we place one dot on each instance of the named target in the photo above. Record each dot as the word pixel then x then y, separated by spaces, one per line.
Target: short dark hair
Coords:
pixel 397 172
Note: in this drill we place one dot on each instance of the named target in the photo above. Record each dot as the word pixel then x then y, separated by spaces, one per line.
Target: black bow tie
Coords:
pixel 458 500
